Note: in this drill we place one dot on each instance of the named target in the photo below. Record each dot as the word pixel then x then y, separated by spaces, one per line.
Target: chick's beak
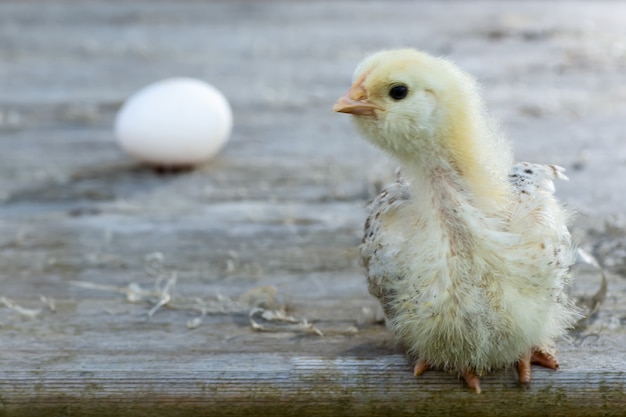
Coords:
pixel 355 102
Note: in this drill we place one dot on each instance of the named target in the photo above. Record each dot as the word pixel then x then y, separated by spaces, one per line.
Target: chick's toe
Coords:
pixel 472 381
pixel 420 367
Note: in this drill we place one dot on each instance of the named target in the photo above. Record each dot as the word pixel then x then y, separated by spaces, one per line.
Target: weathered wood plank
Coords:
pixel 278 384
pixel 273 223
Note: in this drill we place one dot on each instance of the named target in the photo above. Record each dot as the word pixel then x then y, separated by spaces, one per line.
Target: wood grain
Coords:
pixel 89 239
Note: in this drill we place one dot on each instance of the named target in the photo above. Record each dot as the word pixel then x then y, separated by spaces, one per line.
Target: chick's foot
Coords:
pixel 537 356
pixel 470 377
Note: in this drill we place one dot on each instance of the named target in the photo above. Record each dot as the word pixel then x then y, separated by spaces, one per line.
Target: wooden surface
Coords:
pixel 235 289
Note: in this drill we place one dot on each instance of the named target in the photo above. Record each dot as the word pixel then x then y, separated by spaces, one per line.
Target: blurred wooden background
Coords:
pixel 235 289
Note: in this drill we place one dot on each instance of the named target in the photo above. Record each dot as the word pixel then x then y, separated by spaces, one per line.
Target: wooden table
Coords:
pixel 235 289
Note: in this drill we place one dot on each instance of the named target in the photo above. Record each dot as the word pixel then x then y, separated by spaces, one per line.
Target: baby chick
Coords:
pixel 468 253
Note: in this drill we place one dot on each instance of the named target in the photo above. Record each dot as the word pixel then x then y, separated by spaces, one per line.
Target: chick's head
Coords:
pixel 406 101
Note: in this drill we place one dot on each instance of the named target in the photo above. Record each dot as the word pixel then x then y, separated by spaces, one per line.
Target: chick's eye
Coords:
pixel 398 92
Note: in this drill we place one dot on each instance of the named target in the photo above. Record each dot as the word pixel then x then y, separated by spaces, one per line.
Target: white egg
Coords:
pixel 174 122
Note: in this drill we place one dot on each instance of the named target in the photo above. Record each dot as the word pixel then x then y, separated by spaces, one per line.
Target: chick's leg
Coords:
pixel 537 356
pixel 523 368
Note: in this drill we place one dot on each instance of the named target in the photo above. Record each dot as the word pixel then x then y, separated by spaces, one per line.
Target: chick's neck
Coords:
pixel 452 161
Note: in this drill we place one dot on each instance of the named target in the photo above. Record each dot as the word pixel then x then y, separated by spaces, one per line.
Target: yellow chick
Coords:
pixel 468 252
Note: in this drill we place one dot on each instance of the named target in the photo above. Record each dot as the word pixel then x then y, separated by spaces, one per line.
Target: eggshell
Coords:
pixel 174 122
